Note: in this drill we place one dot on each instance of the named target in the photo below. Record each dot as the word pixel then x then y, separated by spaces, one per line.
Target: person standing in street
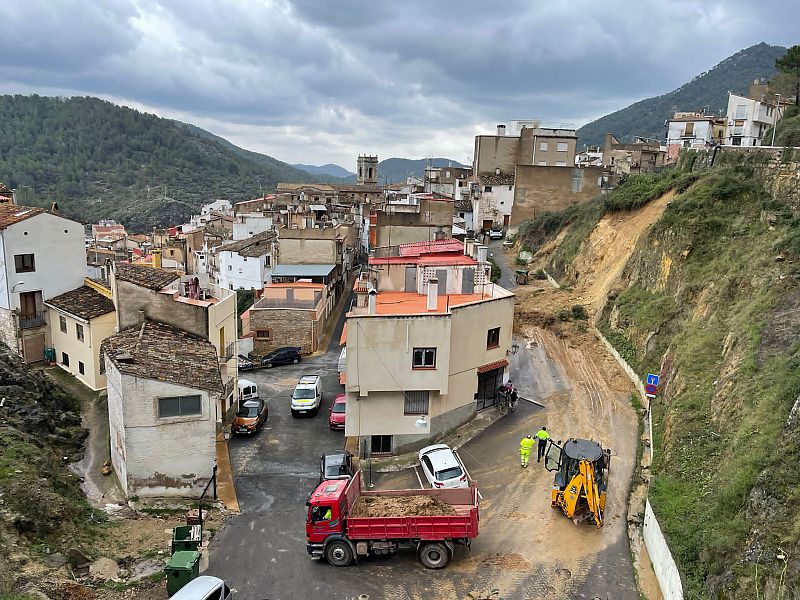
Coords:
pixel 541 436
pixel 525 447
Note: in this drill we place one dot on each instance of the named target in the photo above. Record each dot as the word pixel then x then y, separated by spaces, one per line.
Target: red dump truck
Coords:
pixel 332 533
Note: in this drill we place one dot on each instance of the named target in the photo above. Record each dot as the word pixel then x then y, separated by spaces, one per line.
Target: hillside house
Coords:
pixel 79 321
pixel 42 256
pixel 164 390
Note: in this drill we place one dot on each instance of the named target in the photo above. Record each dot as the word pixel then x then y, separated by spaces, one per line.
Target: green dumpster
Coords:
pixel 181 568
pixel 186 537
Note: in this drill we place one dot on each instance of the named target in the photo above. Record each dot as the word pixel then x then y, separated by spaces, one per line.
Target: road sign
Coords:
pixel 650 390
pixel 652 379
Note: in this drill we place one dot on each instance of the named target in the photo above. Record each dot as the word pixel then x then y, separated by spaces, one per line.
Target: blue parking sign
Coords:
pixel 652 379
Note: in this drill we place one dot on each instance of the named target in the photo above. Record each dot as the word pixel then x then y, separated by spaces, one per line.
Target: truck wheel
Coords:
pixel 338 553
pixel 434 555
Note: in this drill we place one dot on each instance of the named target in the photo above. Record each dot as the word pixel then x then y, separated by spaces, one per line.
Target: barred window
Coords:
pixel 416 402
pixel 179 406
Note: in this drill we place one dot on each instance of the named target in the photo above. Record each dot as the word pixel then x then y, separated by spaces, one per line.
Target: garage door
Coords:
pixel 33 348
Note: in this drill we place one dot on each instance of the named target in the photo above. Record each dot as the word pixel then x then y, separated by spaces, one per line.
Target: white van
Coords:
pixel 204 587
pixel 307 396
pixel 248 390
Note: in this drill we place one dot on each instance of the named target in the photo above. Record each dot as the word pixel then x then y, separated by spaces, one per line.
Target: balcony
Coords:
pixel 227 353
pixel 31 320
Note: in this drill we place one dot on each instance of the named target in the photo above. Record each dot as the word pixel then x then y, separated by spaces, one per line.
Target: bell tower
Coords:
pixel 367 173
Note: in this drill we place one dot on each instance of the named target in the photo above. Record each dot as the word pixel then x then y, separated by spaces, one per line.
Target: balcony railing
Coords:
pixel 228 352
pixel 31 320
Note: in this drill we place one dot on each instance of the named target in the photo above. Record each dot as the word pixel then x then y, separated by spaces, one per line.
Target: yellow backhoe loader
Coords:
pixel 579 486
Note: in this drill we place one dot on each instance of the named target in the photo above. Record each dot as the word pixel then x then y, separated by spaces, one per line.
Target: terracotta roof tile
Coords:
pixel 83 302
pixel 493 365
pixel 14 213
pixel 164 353
pixel 147 277
pixel 257 245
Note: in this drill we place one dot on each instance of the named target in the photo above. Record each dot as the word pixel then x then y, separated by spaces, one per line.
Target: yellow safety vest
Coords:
pixel 542 435
pixel 526 443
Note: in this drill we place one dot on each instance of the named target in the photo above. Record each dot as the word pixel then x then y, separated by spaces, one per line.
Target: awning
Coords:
pixel 318 207
pixel 493 365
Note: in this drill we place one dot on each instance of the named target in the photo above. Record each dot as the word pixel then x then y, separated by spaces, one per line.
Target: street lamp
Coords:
pixel 775 116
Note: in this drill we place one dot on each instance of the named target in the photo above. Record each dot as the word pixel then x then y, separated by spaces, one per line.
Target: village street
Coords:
pixel 525 549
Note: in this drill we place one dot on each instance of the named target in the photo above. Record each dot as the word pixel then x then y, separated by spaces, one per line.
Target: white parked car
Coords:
pixel 307 396
pixel 442 467
pixel 496 232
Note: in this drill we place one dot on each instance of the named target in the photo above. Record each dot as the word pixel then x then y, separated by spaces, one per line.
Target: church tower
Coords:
pixel 367 173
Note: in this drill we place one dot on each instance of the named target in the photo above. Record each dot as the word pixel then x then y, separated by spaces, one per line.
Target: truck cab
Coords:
pixel 326 505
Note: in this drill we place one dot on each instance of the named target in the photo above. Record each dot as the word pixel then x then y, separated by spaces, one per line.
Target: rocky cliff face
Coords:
pixel 40 433
pixel 710 298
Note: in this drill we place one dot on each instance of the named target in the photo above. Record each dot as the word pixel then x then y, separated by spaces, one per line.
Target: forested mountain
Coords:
pixel 710 89
pixel 396 170
pixel 326 169
pixel 99 160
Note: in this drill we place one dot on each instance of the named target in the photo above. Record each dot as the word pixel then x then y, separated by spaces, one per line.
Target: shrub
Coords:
pixel 579 312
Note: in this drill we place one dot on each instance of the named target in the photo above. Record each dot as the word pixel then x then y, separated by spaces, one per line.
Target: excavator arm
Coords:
pixel 593 497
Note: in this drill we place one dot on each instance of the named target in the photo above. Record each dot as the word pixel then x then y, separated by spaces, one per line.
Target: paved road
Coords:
pixel 523 547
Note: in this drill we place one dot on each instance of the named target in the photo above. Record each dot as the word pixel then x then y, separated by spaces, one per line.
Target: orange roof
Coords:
pixel 409 303
pixel 492 366
pixel 14 213
pixel 343 337
pixel 297 284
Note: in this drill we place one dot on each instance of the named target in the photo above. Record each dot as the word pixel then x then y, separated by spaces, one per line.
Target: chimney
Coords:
pixel 156 258
pixel 501 129
pixel 482 251
pixel 433 294
pixel 372 300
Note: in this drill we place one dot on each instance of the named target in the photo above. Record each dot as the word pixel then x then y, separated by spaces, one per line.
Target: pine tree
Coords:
pixel 789 63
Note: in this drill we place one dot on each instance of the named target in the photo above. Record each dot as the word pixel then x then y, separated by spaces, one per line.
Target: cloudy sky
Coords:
pixel 319 81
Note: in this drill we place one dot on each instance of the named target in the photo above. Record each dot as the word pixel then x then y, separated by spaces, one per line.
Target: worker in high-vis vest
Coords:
pixel 541 436
pixel 525 447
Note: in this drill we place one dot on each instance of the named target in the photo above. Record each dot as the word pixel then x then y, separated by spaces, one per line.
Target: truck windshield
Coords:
pixel 447 474
pixel 304 393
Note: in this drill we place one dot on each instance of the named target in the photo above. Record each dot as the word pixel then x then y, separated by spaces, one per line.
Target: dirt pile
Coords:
pixel 401 506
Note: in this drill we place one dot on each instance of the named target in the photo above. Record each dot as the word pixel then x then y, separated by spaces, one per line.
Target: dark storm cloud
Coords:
pixel 322 79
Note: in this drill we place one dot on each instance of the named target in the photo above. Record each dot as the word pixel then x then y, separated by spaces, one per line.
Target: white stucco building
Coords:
pixel 494 201
pixel 163 392
pixel 748 120
pixel 246 264
pixel 43 255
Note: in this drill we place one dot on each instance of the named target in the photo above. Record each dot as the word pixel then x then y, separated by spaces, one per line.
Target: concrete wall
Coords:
pixel 669 579
pixel 157 306
pixel 116 423
pixel 162 457
pixel 299 251
pixel 379 353
pixel 8 329
pixel 541 189
pixel 86 351
pixel 493 152
pixel 59 254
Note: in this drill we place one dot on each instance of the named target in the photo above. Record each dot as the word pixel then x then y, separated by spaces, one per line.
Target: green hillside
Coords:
pixel 396 170
pixel 646 117
pixel 710 299
pixel 99 160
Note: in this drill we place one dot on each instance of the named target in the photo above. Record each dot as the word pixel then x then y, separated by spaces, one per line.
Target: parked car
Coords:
pixel 244 363
pixel 250 417
pixel 281 356
pixel 248 390
pixel 442 467
pixel 335 465
pixel 307 396
pixel 496 232
pixel 204 587
pixel 336 412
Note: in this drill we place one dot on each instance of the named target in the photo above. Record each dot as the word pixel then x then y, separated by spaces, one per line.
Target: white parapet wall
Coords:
pixel 669 579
